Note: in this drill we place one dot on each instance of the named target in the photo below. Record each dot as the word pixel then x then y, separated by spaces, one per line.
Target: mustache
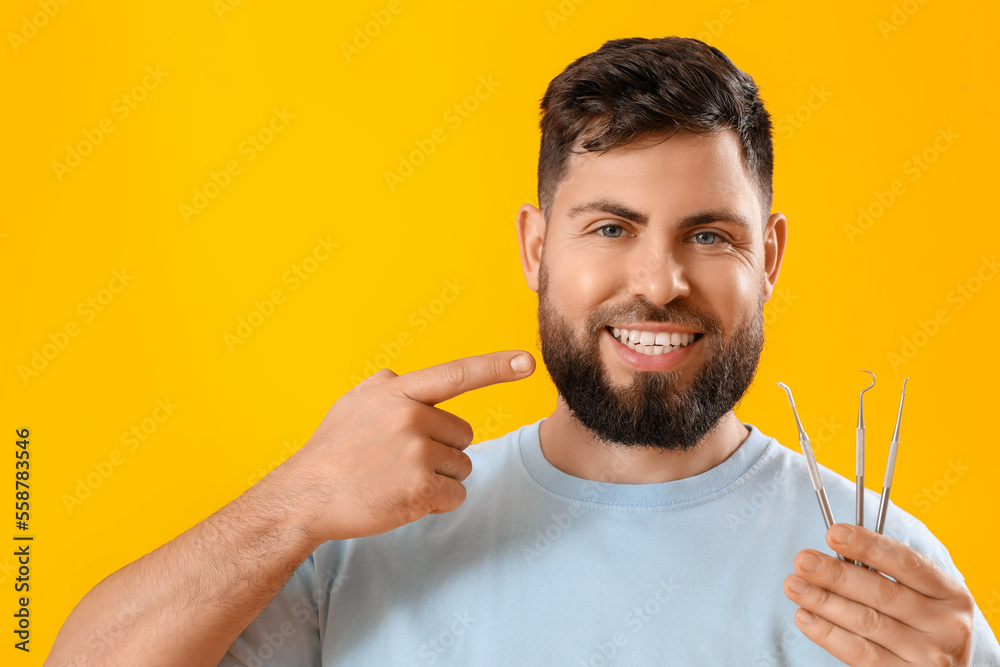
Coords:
pixel 675 312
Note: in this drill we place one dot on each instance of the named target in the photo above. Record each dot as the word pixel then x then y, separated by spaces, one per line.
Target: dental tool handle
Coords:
pixel 883 505
pixel 811 466
pixel 859 472
pixel 859 513
pixel 859 510
pixel 890 465
pixel 859 456
pixel 824 506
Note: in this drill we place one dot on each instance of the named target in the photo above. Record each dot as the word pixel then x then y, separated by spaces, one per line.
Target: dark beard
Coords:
pixel 653 411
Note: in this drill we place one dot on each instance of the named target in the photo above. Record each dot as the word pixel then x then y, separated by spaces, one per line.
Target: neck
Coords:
pixel 577 451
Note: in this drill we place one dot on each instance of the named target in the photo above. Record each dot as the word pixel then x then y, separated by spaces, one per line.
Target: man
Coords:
pixel 641 523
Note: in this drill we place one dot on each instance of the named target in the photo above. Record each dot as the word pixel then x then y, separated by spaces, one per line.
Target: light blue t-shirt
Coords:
pixel 538 567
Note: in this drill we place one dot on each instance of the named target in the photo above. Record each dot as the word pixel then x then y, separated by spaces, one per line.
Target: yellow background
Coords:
pixel 856 89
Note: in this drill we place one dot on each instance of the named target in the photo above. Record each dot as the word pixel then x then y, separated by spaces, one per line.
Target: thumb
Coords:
pixel 439 383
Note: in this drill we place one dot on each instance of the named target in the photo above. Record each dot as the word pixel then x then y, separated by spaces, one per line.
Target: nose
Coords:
pixel 657 275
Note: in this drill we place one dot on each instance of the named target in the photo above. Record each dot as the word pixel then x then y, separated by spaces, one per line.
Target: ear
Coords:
pixel 775 234
pixel 531 236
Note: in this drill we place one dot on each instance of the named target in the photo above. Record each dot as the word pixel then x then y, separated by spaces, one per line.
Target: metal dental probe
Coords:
pixel 859 467
pixel 890 467
pixel 807 452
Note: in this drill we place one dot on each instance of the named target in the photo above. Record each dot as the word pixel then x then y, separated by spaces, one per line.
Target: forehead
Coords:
pixel 668 175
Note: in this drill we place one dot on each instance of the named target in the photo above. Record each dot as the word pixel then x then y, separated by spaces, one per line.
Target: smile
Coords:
pixel 652 343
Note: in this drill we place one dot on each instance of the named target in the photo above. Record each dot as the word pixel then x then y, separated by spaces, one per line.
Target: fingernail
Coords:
pixel 798 585
pixel 841 534
pixel 805 617
pixel 520 363
pixel 810 562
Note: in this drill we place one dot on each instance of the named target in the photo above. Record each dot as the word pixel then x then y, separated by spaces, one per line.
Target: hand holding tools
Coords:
pixel 813 467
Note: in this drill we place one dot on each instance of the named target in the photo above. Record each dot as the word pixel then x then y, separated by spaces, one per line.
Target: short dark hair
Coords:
pixel 634 88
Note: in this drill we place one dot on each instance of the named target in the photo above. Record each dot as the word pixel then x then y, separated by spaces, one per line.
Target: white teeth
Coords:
pixel 652 343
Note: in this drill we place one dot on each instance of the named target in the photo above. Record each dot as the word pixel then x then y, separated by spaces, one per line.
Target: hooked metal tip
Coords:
pixel 791 401
pixel 899 416
pixel 788 391
pixel 861 401
pixel 872 384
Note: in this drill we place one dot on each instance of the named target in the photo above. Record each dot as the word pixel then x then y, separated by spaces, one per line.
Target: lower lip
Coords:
pixel 647 362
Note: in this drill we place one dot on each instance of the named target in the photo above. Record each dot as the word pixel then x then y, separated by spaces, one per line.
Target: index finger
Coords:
pixel 900 561
pixel 436 384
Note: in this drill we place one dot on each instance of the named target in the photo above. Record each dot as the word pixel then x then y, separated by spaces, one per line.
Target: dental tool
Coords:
pixel 859 466
pixel 890 467
pixel 807 452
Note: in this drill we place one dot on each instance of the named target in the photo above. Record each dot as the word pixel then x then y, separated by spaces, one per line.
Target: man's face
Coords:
pixel 665 238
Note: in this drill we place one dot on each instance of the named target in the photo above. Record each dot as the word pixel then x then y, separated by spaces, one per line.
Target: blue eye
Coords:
pixel 618 227
pixel 700 237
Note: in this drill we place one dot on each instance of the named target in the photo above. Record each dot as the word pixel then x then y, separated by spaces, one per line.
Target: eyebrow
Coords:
pixel 621 210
